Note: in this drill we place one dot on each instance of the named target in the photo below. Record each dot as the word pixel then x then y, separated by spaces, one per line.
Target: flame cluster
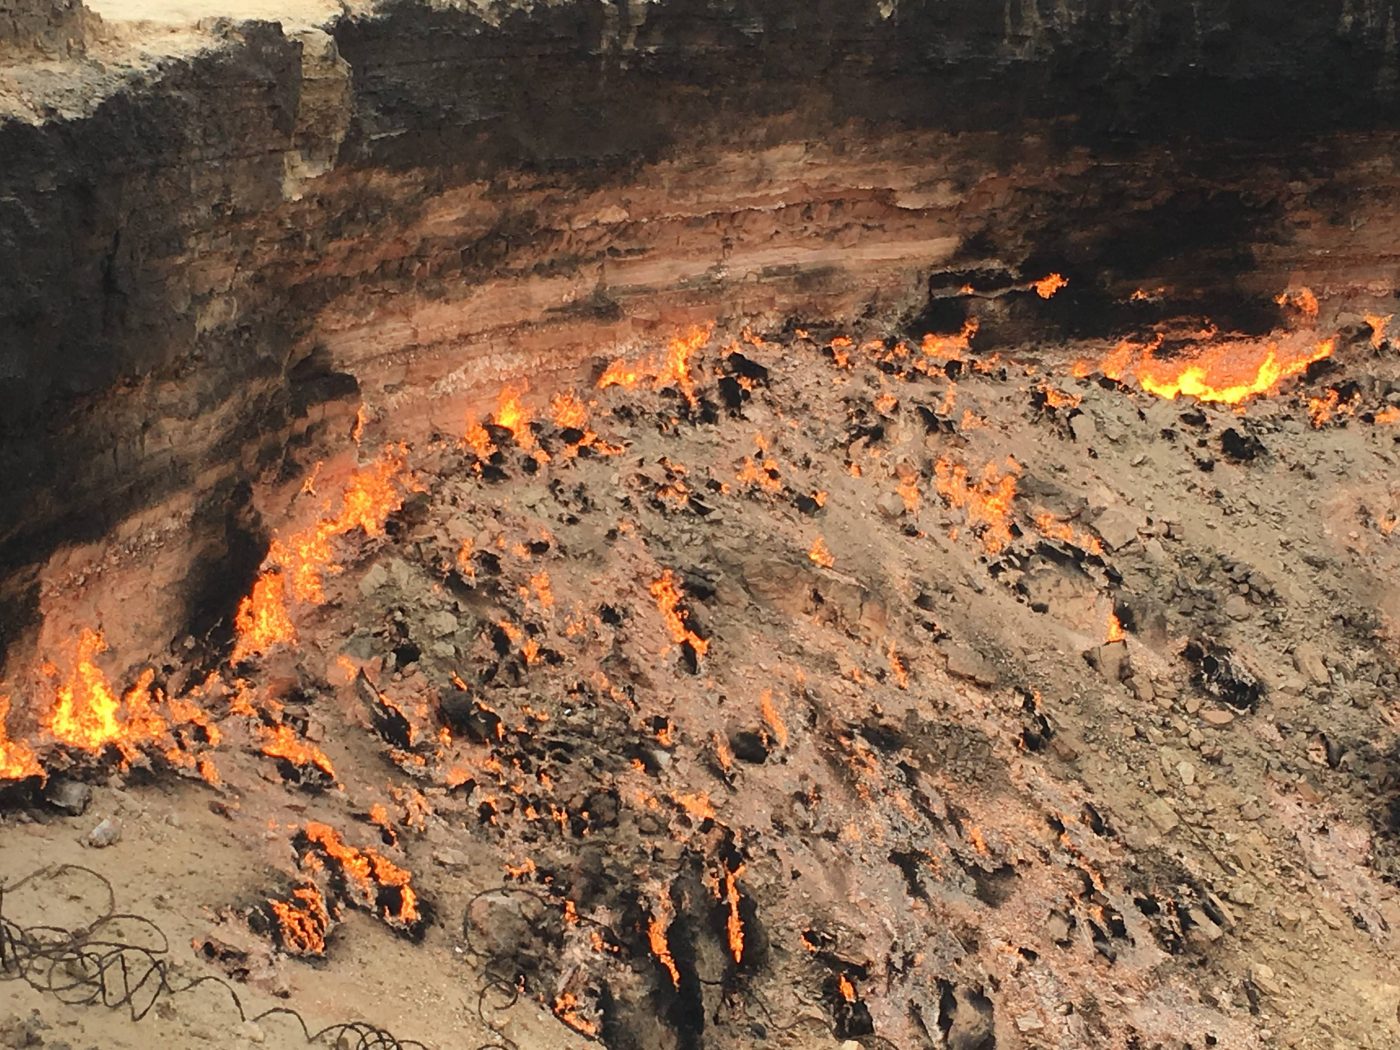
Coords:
pixel 986 501
pixel 303 922
pixel 86 714
pixel 367 879
pixel 672 368
pixel 282 742
pixel 1228 372
pixel 297 564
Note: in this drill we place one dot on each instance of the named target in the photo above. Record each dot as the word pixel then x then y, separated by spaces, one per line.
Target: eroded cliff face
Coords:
pixel 210 261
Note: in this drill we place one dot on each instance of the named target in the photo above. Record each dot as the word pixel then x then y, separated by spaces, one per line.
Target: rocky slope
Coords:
pixel 216 235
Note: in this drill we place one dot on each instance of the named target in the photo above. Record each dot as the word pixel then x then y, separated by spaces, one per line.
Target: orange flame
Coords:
pixel 371 494
pixel 674 367
pixel 512 415
pixel 84 714
pixel 1230 372
pixel 846 988
pixel 950 347
pixel 1379 323
pixel 667 592
pixel 568 412
pixel 1115 629
pixel 897 668
pixel 281 741
pixel 771 718
pixel 1303 300
pixel 17 759
pixel 986 502
pixel 820 555
pixel 734 926
pixel 262 620
pixel 1053 528
pixel 566 1009
pixel 303 921
pixel 1047 286
pixel 366 873
pixel 657 924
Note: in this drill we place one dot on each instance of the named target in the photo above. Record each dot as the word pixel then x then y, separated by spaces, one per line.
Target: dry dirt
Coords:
pixel 740 716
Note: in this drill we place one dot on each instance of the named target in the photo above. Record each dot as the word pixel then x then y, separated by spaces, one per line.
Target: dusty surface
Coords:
pixel 881 776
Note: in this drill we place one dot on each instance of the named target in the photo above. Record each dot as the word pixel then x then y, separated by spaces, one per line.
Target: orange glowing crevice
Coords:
pixel 657 924
pixel 666 590
pixel 1047 286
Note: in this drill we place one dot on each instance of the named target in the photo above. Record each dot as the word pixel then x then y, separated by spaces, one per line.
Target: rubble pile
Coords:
pixel 803 686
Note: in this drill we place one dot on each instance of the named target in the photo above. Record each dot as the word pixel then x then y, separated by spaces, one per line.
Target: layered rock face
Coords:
pixel 209 261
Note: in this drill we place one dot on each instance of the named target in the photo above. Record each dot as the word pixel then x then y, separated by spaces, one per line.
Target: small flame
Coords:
pixel 950 347
pixel 820 555
pixel 986 502
pixel 772 718
pixel 1047 286
pixel 1303 300
pixel 1379 323
pixel 303 922
pixel 1052 528
pixel 734 926
pixel 673 368
pixel 568 412
pixel 566 1009
pixel 897 668
pixel 657 924
pixel 372 881
pixel 845 988
pixel 1115 629
pixel 281 741
pixel 1322 409
pixel 17 759
pixel 667 592
pixel 512 415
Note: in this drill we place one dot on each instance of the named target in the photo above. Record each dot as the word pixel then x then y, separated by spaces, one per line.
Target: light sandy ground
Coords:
pixel 291 13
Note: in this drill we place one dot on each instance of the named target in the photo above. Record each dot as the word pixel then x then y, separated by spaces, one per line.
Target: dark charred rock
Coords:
pixel 1221 674
pixel 1240 448
pixel 749 746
